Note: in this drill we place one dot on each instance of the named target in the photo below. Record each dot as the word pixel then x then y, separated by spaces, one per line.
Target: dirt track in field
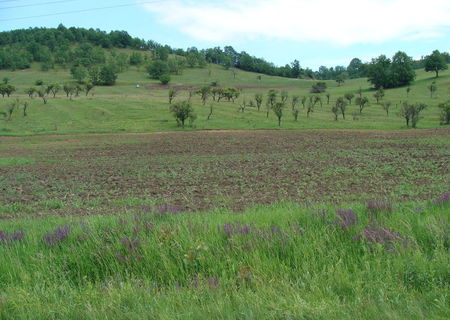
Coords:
pixel 200 170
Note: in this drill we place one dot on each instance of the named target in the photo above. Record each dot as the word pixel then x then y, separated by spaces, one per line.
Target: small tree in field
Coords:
pixel 204 92
pixel 30 92
pixel 69 89
pixel 277 108
pixel 25 107
pixel 271 97
pixel 335 111
pixel 386 105
pixel 164 79
pixel 341 106
pixel 445 112
pixel 78 89
pixel 271 100
pixel 432 88
pixel 310 106
pixel 408 90
pixel 11 107
pixel 411 113
pixel 182 111
pixel 284 96
pixel 304 98
pixel 294 101
pixel 379 94
pixel 295 114
pixel 53 88
pixel 362 103
pixel 318 99
pixel 217 93
pixel 435 62
pixel 328 97
pixel 6 89
pixel 242 106
pixel 349 96
pixel 259 100
pixel 172 93
pixel 340 80
pixel 88 86
pixel 318 87
pixel 210 111
pixel 42 93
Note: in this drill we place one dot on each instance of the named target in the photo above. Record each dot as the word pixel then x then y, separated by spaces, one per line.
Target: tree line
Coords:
pixel 86 47
pixel 281 102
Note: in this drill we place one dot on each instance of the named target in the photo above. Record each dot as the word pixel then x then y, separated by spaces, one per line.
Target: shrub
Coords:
pixel 411 113
pixel 164 79
pixel 445 112
pixel 182 111
pixel 318 87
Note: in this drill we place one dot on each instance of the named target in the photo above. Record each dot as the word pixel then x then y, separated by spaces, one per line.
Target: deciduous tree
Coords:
pixel 435 62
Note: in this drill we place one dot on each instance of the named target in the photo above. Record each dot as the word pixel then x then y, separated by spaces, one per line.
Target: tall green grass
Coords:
pixel 270 262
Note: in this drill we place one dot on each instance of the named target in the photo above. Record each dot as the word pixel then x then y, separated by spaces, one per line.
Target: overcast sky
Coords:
pixel 315 32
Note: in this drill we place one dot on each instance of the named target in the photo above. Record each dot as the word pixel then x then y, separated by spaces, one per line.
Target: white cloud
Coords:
pixel 342 22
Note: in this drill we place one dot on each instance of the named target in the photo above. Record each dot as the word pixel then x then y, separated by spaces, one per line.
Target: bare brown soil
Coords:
pixel 201 170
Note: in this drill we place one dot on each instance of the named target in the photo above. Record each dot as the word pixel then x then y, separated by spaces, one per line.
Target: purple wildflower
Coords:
pixel 130 244
pixel 213 283
pixel 11 237
pixel 163 209
pixel 59 234
pixel 146 209
pixel 274 229
pixel 378 205
pixel 443 199
pixel 195 282
pixel 230 228
pixel 16 236
pixel 381 235
pixel 346 218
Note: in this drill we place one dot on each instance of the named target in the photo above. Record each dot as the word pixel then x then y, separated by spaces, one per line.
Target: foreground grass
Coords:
pixel 271 262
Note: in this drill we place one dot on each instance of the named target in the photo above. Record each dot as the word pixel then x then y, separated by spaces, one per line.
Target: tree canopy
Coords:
pixel 387 73
pixel 435 62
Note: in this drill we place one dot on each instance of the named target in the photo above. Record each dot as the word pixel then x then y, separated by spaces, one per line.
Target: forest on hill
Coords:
pixel 73 47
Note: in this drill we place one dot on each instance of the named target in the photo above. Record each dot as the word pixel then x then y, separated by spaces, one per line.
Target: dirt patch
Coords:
pixel 200 170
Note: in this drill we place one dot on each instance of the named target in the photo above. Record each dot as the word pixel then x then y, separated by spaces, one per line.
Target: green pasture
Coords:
pixel 125 108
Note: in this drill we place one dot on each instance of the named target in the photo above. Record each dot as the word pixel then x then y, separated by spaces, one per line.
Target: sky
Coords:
pixel 315 32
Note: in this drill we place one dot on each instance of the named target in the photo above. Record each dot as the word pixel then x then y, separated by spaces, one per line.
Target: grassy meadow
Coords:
pixel 125 108
pixel 108 210
pixel 283 261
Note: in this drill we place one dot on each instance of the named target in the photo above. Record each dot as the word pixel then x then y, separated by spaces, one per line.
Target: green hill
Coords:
pixel 126 108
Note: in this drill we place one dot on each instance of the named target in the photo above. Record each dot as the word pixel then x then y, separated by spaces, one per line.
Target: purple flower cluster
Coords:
pixel 443 199
pixel 7 237
pixel 381 235
pixel 346 218
pixel 130 244
pixel 197 282
pixel 375 206
pixel 60 234
pixel 162 209
pixel 230 228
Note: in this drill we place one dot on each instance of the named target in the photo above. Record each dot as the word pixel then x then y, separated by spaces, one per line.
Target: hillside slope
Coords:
pixel 126 108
